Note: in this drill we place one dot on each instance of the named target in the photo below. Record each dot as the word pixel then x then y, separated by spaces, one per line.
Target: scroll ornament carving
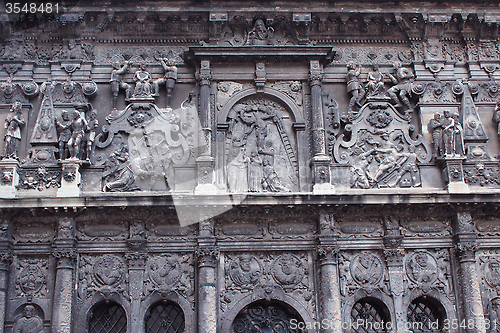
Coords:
pixel 266 277
pixel 362 271
pixel 171 273
pixel 17 91
pixel 225 90
pixel 40 178
pixel 105 274
pixel 31 278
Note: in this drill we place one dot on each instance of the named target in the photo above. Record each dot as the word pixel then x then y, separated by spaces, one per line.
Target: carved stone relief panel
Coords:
pixel 100 231
pixel 487 225
pixel 367 227
pixel 261 150
pixel 32 277
pixel 170 273
pixel 225 90
pixel 371 55
pixel 429 227
pixel 105 274
pixel 429 269
pixel 267 276
pixel 362 270
pixel 167 230
pixel 33 232
pixel 139 54
pixel 489 273
pixel 482 173
pixel 291 88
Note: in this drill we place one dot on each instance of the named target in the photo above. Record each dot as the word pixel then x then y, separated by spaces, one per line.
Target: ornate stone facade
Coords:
pixel 219 167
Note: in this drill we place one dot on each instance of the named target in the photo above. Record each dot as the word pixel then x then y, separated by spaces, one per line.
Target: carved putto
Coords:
pixel 260 34
pixel 261 156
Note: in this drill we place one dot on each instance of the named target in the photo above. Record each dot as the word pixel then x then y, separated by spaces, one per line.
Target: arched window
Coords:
pixel 426 314
pixel 370 315
pixel 107 318
pixel 164 317
pixel 271 317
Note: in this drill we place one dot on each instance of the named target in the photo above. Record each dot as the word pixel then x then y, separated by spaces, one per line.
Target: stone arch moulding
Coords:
pixel 437 296
pixel 83 315
pixel 298 127
pixel 377 295
pixel 247 300
pixel 270 92
pixel 189 314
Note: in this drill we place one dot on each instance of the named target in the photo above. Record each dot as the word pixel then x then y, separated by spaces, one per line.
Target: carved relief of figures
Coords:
pixel 496 117
pixel 31 278
pixel 169 79
pixel 30 322
pixel 288 270
pixel 453 141
pixel 118 175
pixel 78 128
pixel 261 157
pixel 117 81
pixel 494 312
pixel 402 86
pixel 436 128
pixel 422 268
pixel 64 128
pixel 366 269
pixel 260 34
pixel 93 124
pixel 14 122
pixel 354 87
pixel 375 86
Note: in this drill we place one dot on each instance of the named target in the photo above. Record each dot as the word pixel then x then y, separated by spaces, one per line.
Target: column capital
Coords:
pixel 136 259
pixel 207 256
pixel 328 254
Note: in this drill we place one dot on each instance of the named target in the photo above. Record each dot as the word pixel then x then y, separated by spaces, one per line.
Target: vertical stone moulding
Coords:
pixel 9 178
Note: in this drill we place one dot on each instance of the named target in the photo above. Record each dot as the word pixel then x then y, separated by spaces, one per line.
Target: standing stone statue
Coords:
pixel 13 123
pixel 452 135
pixel 402 86
pixel 29 323
pixel 93 124
pixel 436 128
pixel 78 127
pixel 169 79
pixel 354 87
pixel 117 82
pixel 64 128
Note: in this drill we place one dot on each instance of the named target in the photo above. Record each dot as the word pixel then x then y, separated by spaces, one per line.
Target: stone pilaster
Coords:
pixel 207 277
pixel 136 266
pixel 320 161
pixel 65 255
pixel 71 178
pixel 9 178
pixel 466 246
pixel 205 161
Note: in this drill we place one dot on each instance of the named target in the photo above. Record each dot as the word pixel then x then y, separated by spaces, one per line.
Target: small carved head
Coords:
pixel 259 25
pixel 65 115
pixel 68 86
pixel 29 311
pixel 421 259
pixel 245 262
pixel 447 113
pixel 16 107
pixel 116 64
pixel 143 66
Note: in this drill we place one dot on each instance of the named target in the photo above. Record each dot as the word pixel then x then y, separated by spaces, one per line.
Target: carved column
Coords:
pixel 394 257
pixel 207 287
pixel 5 260
pixel 330 307
pixel 320 161
pixel 205 162
pixel 64 252
pixel 136 263
pixel 465 245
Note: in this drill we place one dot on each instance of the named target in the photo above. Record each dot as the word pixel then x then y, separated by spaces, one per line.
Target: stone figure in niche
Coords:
pixel 143 83
pixel 64 128
pixel 117 81
pixel 495 315
pixel 260 35
pixel 496 117
pixel 452 135
pixel 375 86
pixel 118 175
pixel 492 273
pixel 93 124
pixel 169 79
pixel 422 268
pixel 402 86
pixel 245 271
pixel 13 123
pixel 30 322
pixel 366 269
pixel 255 146
pixel 288 270
pixel 354 87
pixel 436 128
pixel 78 127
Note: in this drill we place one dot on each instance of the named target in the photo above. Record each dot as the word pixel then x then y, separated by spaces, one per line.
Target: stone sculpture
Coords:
pixel 118 175
pixel 496 117
pixel 452 135
pixel 169 79
pixel 260 35
pixel 117 81
pixel 64 128
pixel 13 123
pixel 93 124
pixel 29 323
pixel 143 83
pixel 436 128
pixel 375 86
pixel 402 86
pixel 78 127
pixel 354 87
pixel 495 315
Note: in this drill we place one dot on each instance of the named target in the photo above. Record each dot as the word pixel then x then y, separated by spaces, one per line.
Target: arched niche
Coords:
pixel 377 297
pixel 436 298
pixel 156 297
pixel 241 146
pixel 85 310
pixel 284 301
